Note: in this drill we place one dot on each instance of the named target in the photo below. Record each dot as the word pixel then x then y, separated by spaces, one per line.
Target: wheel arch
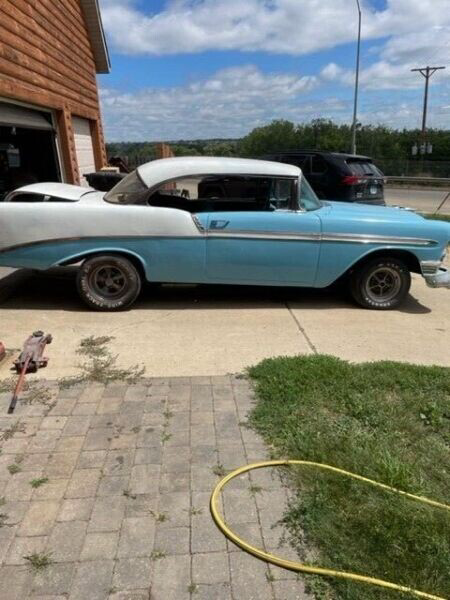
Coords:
pixel 406 256
pixel 134 258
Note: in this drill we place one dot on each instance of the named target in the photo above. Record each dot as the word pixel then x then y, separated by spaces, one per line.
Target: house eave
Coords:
pixel 93 19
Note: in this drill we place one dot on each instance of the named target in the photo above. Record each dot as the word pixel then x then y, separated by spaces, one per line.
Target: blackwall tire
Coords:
pixel 108 282
pixel 381 284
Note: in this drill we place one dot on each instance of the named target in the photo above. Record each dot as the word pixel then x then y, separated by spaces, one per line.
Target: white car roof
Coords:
pixel 158 171
pixel 60 190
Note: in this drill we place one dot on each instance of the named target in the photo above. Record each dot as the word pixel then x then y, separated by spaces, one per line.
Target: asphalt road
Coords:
pixel 425 200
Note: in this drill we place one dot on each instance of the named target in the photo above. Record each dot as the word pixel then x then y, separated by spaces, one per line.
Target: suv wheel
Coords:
pixel 108 283
pixel 380 284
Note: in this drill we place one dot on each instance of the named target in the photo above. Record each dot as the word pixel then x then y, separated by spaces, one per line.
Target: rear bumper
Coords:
pixel 441 279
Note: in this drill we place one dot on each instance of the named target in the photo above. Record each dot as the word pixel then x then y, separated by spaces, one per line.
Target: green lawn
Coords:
pixel 387 421
pixel 438 217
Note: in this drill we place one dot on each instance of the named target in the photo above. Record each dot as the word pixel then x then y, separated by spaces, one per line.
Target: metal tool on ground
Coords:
pixel 30 360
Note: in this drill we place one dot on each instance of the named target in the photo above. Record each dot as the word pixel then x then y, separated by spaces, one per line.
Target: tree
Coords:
pixel 278 135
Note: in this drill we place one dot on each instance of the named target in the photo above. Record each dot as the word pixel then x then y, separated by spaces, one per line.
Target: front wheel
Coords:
pixel 380 284
pixel 108 283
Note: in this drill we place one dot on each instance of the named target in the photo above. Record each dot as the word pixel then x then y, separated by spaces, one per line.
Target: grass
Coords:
pixel 255 489
pixel 157 555
pixel 13 469
pixel 36 483
pixel 439 217
pixel 10 432
pixel 159 517
pixel 39 561
pixel 219 470
pixel 386 421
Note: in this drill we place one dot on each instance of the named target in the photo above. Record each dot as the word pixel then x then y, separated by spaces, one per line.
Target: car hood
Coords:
pixel 366 212
pixel 346 217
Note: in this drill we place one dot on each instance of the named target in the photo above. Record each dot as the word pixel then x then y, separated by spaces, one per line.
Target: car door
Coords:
pixel 271 246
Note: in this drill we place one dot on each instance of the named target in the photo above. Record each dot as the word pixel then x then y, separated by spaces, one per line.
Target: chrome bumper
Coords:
pixel 441 279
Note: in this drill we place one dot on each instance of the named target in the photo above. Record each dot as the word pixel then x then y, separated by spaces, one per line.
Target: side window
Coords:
pixel 307 197
pixel 224 193
pixel 318 166
pixel 28 198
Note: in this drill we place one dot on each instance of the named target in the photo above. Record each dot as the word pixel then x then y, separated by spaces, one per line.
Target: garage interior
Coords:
pixel 28 151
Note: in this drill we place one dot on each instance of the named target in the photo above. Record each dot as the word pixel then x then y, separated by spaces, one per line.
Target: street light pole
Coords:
pixel 355 108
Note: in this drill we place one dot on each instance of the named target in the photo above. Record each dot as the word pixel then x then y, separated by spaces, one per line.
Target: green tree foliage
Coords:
pixel 390 147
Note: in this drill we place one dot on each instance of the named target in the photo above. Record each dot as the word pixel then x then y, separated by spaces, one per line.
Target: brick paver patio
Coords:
pixel 124 514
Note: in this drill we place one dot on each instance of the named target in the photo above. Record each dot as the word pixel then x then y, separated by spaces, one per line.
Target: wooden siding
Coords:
pixel 46 60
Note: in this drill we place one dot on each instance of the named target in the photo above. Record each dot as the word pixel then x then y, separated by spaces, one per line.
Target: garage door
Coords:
pixel 84 147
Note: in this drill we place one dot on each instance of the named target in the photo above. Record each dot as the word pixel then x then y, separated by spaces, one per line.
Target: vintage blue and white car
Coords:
pixel 222 221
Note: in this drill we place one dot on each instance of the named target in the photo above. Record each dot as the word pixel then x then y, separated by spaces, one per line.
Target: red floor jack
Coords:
pixel 29 361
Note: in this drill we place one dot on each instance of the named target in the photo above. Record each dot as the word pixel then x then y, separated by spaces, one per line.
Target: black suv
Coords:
pixel 336 176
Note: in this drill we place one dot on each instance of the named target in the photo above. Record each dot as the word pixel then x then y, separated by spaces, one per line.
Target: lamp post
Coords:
pixel 355 108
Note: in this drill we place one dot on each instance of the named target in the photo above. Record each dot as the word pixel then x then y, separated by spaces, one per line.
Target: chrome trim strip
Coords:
pixel 441 279
pixel 348 238
pixel 248 234
pixel 97 237
pixel 366 238
pixel 198 224
pixel 430 267
pixel 264 235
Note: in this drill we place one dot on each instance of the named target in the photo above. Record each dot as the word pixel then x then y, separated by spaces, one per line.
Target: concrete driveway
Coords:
pixel 215 330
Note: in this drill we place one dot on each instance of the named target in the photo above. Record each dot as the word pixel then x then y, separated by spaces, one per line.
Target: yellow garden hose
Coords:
pixel 294 566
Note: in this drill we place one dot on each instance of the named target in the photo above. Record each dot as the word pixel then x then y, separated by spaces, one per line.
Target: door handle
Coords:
pixel 218 224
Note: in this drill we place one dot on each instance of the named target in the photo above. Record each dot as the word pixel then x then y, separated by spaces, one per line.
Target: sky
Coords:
pixel 191 69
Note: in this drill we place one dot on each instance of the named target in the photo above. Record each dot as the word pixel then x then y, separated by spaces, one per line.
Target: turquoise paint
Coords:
pixel 205 259
pixel 289 262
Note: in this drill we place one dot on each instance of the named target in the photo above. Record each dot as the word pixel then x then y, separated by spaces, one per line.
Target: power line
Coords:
pixel 427 72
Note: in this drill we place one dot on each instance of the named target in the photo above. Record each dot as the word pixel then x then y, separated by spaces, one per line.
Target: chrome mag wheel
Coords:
pixel 383 284
pixel 108 281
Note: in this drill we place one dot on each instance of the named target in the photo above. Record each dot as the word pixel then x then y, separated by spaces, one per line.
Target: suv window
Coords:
pixel 319 165
pixel 363 167
pixel 299 160
pixel 224 193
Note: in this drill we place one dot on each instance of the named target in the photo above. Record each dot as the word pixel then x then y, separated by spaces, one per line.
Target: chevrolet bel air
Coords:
pixel 222 221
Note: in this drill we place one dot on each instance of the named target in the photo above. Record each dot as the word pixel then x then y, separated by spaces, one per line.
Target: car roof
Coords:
pixel 60 190
pixel 158 171
pixel 321 153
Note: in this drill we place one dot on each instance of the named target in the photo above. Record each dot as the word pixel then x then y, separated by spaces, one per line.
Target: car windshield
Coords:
pixel 307 197
pixel 128 191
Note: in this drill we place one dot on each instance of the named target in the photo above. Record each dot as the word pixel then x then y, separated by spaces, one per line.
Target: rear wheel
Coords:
pixel 108 283
pixel 381 284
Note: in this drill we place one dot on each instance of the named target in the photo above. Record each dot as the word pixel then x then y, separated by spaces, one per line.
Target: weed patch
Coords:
pixel 36 483
pixel 38 561
pixel 101 365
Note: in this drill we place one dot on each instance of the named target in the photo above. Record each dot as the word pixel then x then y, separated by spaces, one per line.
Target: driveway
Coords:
pixel 122 511
pixel 190 331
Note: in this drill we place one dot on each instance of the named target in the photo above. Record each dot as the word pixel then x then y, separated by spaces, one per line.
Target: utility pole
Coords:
pixel 427 72
pixel 355 108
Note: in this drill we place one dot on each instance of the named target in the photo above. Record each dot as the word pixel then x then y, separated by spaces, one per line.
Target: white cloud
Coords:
pixel 227 104
pixel 406 34
pixel 278 26
pixel 233 101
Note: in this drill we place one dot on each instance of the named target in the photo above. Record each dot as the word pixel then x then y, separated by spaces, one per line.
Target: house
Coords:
pixel 50 123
